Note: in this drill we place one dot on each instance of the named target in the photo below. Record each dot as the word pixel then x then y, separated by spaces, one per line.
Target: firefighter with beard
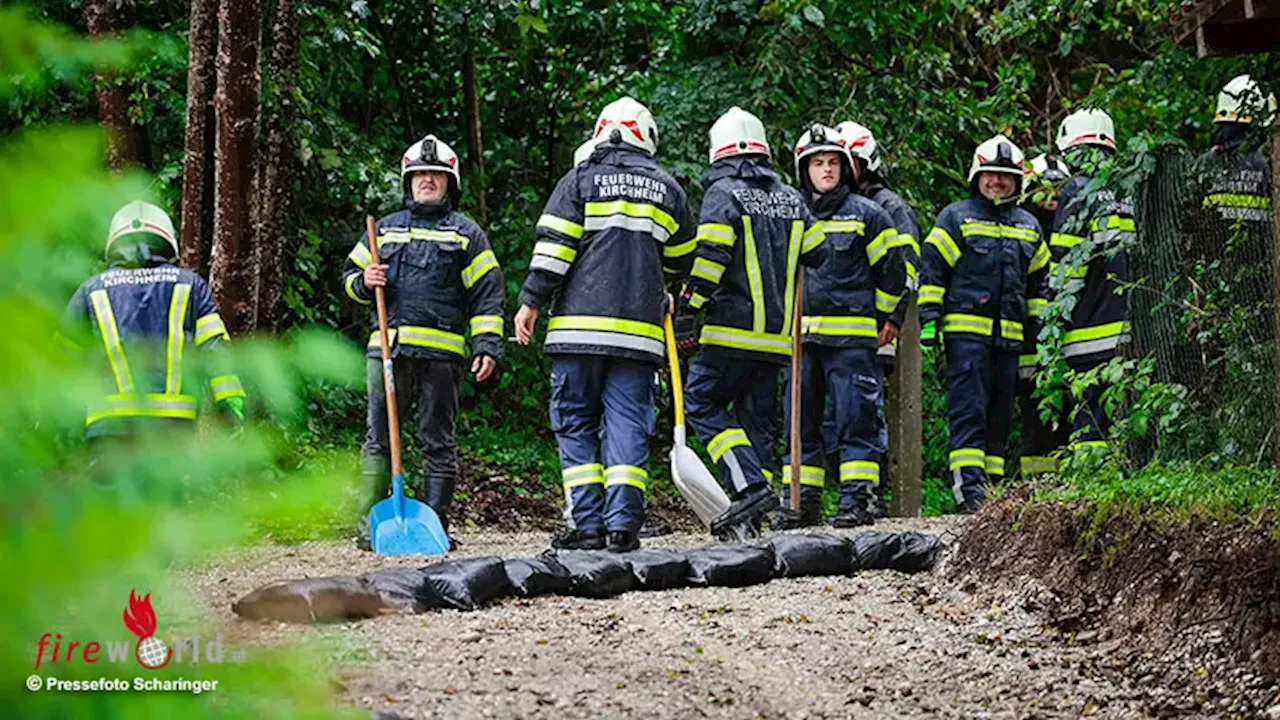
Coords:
pixel 982 275
pixel 441 279
pixel 754 233
pixel 847 304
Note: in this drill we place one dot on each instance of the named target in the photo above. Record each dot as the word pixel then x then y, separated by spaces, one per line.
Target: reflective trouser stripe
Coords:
pixel 809 475
pixel 854 470
pixel 977 324
pixel 725 441
pixel 578 475
pixel 111 340
pixel 177 338
pixel 994 465
pixel 225 386
pixel 1089 445
pixel 626 475
pixel 1035 464
pixel 968 457
pixel 181 407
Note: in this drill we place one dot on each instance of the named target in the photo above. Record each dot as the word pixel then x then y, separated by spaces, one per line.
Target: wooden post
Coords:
pixel 1275 296
pixel 903 412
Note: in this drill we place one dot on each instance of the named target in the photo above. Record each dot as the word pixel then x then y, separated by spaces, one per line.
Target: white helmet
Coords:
pixel 998 154
pixel 142 217
pixel 819 139
pixel 1047 168
pixel 430 153
pixel 1240 99
pixel 861 143
pixel 1089 126
pixel 626 120
pixel 737 132
pixel 583 153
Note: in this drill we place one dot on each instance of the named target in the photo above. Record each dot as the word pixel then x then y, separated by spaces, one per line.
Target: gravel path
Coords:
pixel 876 645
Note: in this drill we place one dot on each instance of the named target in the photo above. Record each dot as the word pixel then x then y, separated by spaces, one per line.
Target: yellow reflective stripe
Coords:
pixel 809 475
pixel 565 227
pixel 794 242
pixel 932 294
pixel 631 475
pixel 422 337
pixel 1089 445
pixel 1040 259
pixel 843 226
pixel 908 240
pixel 842 326
pixel 745 339
pixel 177 338
pixel 886 302
pixel 684 248
pixel 1096 332
pixel 1035 464
pixel 1027 361
pixel 606 324
pixel 481 324
pixel 360 255
pixel 632 209
pixel 578 475
pixel 968 457
pixel 958 322
pixel 350 286
pixel 716 234
pixel 1257 202
pixel 725 441
pixel 1010 329
pixel 111 340
pixel 979 227
pixel 225 386
pixel 708 270
pixel 1114 222
pixel 993 465
pixel 880 246
pixel 813 237
pixel 1065 240
pixel 754 281
pixel 696 301
pixel 479 267
pixel 1036 306
pixel 555 250
pixel 209 327
pixel 180 407
pixel 947 247
pixel 859 470
pixel 440 236
pixel 1020 233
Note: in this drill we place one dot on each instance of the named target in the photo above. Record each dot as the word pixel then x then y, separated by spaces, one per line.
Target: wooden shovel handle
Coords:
pixel 388 376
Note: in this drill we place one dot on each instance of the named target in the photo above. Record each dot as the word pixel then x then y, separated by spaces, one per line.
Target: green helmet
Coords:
pixel 136 233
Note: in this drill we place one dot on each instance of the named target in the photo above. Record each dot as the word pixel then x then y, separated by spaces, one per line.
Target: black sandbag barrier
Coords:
pixel 469 583
pixel 906 552
pixel 658 569
pixel 806 555
pixel 596 574
pixel 541 575
pixel 730 565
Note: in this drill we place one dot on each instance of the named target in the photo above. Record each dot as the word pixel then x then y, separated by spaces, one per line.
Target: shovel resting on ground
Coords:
pixel 398 525
pixel 696 484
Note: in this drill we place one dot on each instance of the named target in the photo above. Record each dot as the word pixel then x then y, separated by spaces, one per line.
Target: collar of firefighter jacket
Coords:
pixel 622 155
pixel 433 211
pixel 739 166
pixel 824 206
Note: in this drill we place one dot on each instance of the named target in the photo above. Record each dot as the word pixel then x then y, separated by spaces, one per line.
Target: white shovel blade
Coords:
pixel 697 485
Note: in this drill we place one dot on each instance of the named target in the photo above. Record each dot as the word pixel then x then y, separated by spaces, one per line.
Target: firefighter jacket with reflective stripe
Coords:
pixel 1236 186
pixel 848 298
pixel 904 219
pixel 147 320
pixel 443 280
pixel 1095 272
pixel 753 235
pixel 984 271
pixel 613 231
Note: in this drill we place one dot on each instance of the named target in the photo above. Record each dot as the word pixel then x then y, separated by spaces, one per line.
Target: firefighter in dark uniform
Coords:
pixel 616 230
pixel 754 233
pixel 847 304
pixel 441 280
pixel 982 275
pixel 152 319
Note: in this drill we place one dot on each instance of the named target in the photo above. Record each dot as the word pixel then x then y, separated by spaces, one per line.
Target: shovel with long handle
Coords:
pixel 796 314
pixel 398 525
pixel 696 484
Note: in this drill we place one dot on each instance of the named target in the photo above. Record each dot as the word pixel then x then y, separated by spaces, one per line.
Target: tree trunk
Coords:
pixel 277 228
pixel 101 18
pixel 235 108
pixel 475 144
pixel 197 168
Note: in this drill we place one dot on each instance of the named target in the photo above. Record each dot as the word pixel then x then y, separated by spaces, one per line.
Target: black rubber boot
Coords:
pixel 971 505
pixel 855 505
pixel 784 518
pixel 745 511
pixel 621 541
pixel 438 493
pixel 571 539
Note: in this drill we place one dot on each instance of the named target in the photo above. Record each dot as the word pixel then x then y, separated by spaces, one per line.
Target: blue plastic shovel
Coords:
pixel 398 525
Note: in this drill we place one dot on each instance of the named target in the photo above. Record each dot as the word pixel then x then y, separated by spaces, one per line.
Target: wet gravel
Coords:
pixel 874 645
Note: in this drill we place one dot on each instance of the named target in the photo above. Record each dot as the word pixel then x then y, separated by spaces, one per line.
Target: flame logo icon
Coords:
pixel 140 618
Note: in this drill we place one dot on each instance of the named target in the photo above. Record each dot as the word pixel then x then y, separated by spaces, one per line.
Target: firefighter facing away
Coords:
pixel 847 304
pixel 441 279
pixel 982 275
pixel 151 318
pixel 615 232
pixel 754 234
